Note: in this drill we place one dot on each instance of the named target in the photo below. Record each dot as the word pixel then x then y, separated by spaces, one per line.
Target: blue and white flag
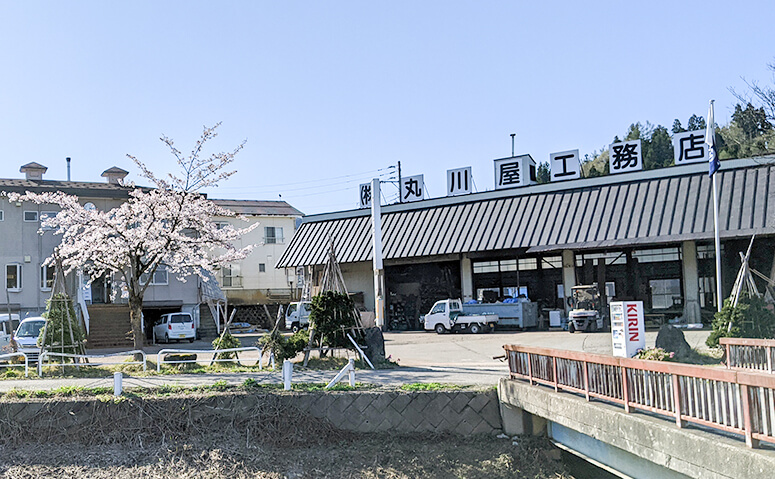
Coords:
pixel 710 141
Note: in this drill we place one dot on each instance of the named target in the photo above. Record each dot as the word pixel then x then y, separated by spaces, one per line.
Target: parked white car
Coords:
pixel 178 326
pixel 26 337
pixel 6 331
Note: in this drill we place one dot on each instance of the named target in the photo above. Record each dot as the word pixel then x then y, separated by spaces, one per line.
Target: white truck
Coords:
pixel 447 315
pixel 297 316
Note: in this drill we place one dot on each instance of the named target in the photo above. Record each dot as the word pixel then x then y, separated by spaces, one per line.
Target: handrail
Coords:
pixel 160 358
pixel 736 401
pixel 45 354
pixel 749 353
pixel 14 355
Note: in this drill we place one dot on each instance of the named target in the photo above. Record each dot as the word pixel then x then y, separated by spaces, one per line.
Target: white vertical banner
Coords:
pixel 412 188
pixel 459 181
pixel 628 328
pixel 565 165
pixel 625 157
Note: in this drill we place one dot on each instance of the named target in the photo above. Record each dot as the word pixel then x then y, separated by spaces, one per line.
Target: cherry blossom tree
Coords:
pixel 167 224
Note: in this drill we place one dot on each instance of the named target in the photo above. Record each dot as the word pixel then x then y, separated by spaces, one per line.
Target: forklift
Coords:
pixel 586 309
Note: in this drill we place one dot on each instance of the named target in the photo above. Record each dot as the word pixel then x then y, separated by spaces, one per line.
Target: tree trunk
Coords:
pixel 135 317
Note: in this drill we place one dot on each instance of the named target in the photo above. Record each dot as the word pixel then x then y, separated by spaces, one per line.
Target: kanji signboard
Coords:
pixel 514 171
pixel 459 181
pixel 412 188
pixel 364 195
pixel 689 147
pixel 565 165
pixel 625 157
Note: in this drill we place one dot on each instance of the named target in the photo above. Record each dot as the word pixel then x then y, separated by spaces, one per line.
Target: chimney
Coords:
pixel 68 168
pixel 114 175
pixel 33 171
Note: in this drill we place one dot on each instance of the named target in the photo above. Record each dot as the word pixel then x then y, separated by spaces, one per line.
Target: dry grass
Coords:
pixel 357 457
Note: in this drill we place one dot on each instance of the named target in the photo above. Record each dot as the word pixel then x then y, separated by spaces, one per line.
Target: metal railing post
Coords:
pixel 625 390
pixel 769 358
pixel 729 357
pixel 554 373
pixel 586 380
pixel 529 369
pixel 677 401
pixel 747 422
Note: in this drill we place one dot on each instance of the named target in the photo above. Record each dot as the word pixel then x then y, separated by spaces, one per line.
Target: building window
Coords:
pixel 551 262
pixel 44 215
pixel 486 267
pixel 219 225
pixel 30 216
pixel 665 293
pixel 47 277
pixel 13 277
pixel 160 276
pixel 658 255
pixel 2 215
pixel 273 235
pixel 261 268
pixel 230 277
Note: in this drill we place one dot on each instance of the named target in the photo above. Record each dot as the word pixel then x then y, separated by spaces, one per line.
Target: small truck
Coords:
pixel 297 316
pixel 447 315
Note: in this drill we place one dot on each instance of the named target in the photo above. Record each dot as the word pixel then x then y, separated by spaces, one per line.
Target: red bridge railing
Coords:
pixel 735 401
pixel 749 353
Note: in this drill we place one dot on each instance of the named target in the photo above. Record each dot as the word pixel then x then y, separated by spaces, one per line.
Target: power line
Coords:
pixel 312 181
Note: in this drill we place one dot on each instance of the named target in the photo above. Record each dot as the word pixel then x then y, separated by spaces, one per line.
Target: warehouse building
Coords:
pixel 646 235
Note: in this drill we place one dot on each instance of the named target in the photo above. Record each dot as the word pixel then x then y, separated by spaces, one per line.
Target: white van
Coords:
pixel 177 326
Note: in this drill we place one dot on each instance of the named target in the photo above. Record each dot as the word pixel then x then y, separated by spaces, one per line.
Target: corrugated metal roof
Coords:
pixel 650 207
pixel 259 207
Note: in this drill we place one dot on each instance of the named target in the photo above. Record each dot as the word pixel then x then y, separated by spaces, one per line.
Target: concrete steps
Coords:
pixel 207 329
pixel 109 326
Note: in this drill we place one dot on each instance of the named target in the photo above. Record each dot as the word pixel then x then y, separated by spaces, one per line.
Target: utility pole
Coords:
pixel 400 196
pixel 379 272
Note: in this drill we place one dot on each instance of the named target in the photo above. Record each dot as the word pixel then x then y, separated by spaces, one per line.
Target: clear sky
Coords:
pixel 329 94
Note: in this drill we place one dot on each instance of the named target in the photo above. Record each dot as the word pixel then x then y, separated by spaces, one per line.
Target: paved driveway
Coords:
pixel 415 348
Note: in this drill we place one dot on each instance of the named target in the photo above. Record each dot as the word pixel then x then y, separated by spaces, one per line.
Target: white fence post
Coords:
pixel 118 386
pixel 351 363
pixel 287 374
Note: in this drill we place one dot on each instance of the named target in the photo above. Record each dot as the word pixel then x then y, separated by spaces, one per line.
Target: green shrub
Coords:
pixel 282 347
pixel 655 354
pixel 227 341
pixel 752 318
pixel 332 314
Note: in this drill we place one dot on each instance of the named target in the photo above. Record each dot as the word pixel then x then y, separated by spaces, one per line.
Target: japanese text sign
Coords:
pixel 625 157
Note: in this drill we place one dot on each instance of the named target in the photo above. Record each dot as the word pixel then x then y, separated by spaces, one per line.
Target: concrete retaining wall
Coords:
pixel 456 412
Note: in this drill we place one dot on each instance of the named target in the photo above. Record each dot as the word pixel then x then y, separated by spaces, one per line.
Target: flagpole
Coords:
pixel 718 246
pixel 714 165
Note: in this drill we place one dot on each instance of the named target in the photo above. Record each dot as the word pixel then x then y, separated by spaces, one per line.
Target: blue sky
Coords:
pixel 330 94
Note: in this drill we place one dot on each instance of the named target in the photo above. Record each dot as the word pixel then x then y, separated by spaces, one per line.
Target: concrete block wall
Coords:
pixel 455 412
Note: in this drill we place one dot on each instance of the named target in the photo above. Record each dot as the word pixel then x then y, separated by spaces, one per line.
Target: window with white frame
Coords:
pixel 273 235
pixel 221 224
pixel 262 267
pixel 160 276
pixel 2 215
pixel 47 277
pixel 13 277
pixel 30 216
pixel 230 277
